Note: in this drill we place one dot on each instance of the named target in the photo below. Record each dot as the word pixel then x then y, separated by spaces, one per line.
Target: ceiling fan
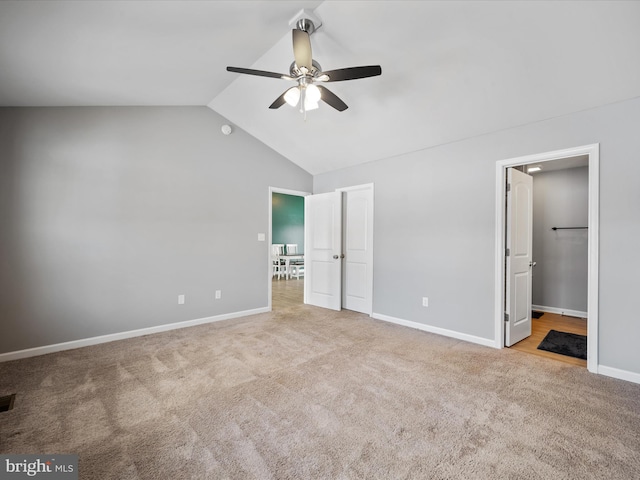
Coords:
pixel 308 75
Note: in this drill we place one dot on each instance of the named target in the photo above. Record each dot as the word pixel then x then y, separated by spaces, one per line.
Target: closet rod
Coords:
pixel 566 228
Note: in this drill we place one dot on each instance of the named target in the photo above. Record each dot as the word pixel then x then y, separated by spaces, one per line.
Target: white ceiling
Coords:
pixel 450 70
pixel 560 164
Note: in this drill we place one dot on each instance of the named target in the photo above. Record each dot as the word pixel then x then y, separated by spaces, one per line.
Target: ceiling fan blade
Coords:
pixel 259 73
pixel 302 49
pixel 351 73
pixel 278 102
pixel 332 99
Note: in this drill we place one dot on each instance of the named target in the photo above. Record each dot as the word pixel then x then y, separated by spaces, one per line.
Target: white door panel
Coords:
pixel 355 280
pixel 323 248
pixel 334 280
pixel 519 259
pixel 358 240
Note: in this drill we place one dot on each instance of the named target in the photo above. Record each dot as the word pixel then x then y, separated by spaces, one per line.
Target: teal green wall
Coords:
pixel 287 223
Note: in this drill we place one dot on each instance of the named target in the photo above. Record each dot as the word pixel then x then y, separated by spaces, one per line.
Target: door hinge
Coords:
pixel 508 187
pixel 506 317
pixel 507 252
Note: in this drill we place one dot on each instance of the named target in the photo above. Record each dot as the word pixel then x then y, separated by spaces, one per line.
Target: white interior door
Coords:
pixel 323 250
pixel 518 256
pixel 357 284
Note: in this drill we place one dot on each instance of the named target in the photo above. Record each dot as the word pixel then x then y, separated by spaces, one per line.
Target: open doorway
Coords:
pixel 286 230
pixel 559 260
pixel 564 300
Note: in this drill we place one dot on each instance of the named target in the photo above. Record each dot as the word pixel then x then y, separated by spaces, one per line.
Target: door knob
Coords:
pixel 532 264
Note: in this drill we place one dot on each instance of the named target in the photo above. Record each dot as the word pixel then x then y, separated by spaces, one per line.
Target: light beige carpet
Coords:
pixel 306 393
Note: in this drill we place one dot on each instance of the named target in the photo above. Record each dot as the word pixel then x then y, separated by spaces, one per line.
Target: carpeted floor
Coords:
pixel 306 393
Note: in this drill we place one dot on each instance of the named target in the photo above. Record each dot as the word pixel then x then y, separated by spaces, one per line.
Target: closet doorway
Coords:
pixel 560 283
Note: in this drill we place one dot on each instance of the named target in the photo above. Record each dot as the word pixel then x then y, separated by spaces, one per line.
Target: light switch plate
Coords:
pixel 262 237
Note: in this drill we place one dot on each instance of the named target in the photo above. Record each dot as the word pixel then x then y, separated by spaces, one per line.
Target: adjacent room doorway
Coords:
pixel 289 291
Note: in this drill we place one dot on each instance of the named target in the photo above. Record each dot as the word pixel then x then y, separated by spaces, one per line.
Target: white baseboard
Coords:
pixel 560 311
pixel 619 374
pixel 602 369
pixel 440 331
pixel 85 342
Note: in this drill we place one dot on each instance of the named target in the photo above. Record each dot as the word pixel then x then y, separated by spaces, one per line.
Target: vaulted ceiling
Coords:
pixel 450 70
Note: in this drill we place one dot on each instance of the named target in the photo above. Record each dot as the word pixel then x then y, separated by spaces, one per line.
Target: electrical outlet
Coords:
pixel 425 301
pixel 218 294
pixel 180 299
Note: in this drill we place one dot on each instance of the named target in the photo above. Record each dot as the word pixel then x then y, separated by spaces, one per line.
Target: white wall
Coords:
pixel 560 199
pixel 108 214
pixel 435 225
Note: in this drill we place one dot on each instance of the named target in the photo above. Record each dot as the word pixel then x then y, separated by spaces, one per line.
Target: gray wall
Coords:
pixel 435 224
pixel 560 199
pixel 108 214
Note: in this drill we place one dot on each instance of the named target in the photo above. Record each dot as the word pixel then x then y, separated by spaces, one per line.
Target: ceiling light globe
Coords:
pixel 292 96
pixel 313 93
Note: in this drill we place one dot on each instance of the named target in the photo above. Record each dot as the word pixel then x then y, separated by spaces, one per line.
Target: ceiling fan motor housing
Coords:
pixel 294 71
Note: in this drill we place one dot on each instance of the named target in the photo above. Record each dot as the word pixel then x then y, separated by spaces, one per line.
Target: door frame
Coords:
pixel 593 152
pixel 272 190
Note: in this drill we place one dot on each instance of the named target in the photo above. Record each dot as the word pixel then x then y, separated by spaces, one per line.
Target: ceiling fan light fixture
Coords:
pixel 312 94
pixel 305 71
pixel 292 96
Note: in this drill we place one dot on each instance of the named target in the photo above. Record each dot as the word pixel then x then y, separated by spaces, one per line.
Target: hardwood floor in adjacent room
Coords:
pixel 551 321
pixel 287 293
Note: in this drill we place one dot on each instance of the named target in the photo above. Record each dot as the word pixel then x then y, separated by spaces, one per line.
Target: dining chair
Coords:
pixel 292 248
pixel 297 269
pixel 277 264
pixel 296 266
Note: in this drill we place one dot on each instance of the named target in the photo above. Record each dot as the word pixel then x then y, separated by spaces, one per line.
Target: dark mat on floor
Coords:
pixel 536 314
pixel 570 344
